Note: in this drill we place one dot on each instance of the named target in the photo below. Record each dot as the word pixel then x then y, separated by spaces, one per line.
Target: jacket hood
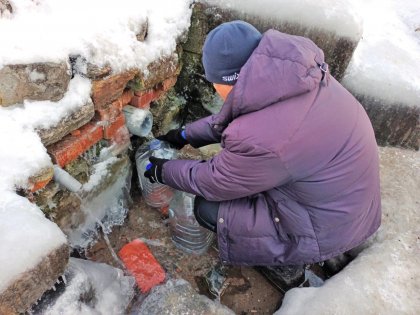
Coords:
pixel 282 66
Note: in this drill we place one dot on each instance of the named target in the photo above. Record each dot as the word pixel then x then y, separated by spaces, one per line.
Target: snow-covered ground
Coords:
pixel 386 64
pixel 384 278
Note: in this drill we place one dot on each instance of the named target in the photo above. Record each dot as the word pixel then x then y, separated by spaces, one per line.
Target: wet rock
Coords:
pixel 197 31
pixel 338 49
pixel 67 125
pixel 37 82
pixel 107 90
pixel 178 297
pixel 166 112
pixel 30 286
pixel 5 8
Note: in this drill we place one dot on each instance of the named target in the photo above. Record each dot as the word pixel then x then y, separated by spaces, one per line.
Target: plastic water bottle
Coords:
pixel 187 234
pixel 138 121
pixel 155 194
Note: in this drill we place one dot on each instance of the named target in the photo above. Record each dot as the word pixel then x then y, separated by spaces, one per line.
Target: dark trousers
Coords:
pixel 206 213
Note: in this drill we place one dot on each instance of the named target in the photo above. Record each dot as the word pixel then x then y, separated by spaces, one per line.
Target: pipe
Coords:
pixel 66 180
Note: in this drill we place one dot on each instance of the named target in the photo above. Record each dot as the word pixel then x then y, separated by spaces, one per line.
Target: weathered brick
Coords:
pixel 143 99
pixel 139 260
pixel 107 90
pixel 113 127
pixel 109 113
pixel 41 179
pixel 71 146
pixel 169 83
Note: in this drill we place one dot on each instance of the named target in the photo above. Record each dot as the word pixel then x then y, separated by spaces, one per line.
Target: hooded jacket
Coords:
pixel 298 175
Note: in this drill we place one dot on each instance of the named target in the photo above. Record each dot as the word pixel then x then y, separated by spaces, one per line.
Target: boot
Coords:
pixel 284 278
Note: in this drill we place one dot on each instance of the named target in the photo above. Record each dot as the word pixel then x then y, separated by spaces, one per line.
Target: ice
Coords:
pixel 92 288
pixel 384 278
pixel 26 237
pixel 110 206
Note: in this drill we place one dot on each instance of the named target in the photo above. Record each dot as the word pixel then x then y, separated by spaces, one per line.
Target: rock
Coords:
pixel 37 82
pixel 30 286
pixel 5 8
pixel 197 31
pixel 166 112
pixel 107 90
pixel 178 297
pixel 157 72
pixel 67 124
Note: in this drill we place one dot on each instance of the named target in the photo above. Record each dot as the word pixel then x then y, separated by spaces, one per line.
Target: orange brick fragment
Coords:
pixel 71 146
pixel 144 267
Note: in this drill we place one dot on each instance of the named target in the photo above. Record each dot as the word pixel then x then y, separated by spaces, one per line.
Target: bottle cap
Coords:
pixel 149 166
pixel 154 144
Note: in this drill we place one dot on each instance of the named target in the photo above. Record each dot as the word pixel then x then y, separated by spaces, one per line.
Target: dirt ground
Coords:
pixel 245 291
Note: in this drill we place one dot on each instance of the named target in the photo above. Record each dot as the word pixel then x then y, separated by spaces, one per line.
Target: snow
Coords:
pixel 338 16
pixel 384 278
pixel 386 63
pixel 104 32
pixel 25 237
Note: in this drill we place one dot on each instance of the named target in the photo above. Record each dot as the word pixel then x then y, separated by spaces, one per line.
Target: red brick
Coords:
pixel 126 97
pixel 113 126
pixel 143 99
pixel 139 260
pixel 71 146
pixel 113 110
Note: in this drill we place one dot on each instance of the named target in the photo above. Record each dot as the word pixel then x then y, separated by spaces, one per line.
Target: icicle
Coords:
pixel 53 287
pixel 64 279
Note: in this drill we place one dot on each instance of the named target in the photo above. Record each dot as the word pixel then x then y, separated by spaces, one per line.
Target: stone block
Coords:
pixel 157 72
pixel 30 285
pixel 179 297
pixel 394 124
pixel 107 90
pixel 197 31
pixel 37 82
pixel 67 125
pixel 71 146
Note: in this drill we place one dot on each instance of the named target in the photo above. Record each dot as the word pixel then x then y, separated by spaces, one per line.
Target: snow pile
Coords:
pixel 339 16
pixel 383 279
pixel 25 237
pixel 386 63
pixel 104 32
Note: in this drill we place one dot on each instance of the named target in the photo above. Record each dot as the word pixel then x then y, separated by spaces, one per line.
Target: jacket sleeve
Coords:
pixel 201 132
pixel 228 175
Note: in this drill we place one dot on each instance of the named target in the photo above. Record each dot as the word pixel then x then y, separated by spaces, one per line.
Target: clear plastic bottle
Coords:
pixel 187 234
pixel 138 121
pixel 156 195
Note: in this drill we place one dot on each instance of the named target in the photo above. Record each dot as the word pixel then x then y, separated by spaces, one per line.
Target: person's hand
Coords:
pixel 154 170
pixel 175 137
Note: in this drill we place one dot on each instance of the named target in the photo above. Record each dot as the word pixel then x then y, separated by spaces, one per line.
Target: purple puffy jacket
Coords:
pixel 298 175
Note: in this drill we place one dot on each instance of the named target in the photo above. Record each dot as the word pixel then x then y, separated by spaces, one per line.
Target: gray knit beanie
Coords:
pixel 226 49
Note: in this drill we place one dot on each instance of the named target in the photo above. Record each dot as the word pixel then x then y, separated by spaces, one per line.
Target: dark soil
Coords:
pixel 245 291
